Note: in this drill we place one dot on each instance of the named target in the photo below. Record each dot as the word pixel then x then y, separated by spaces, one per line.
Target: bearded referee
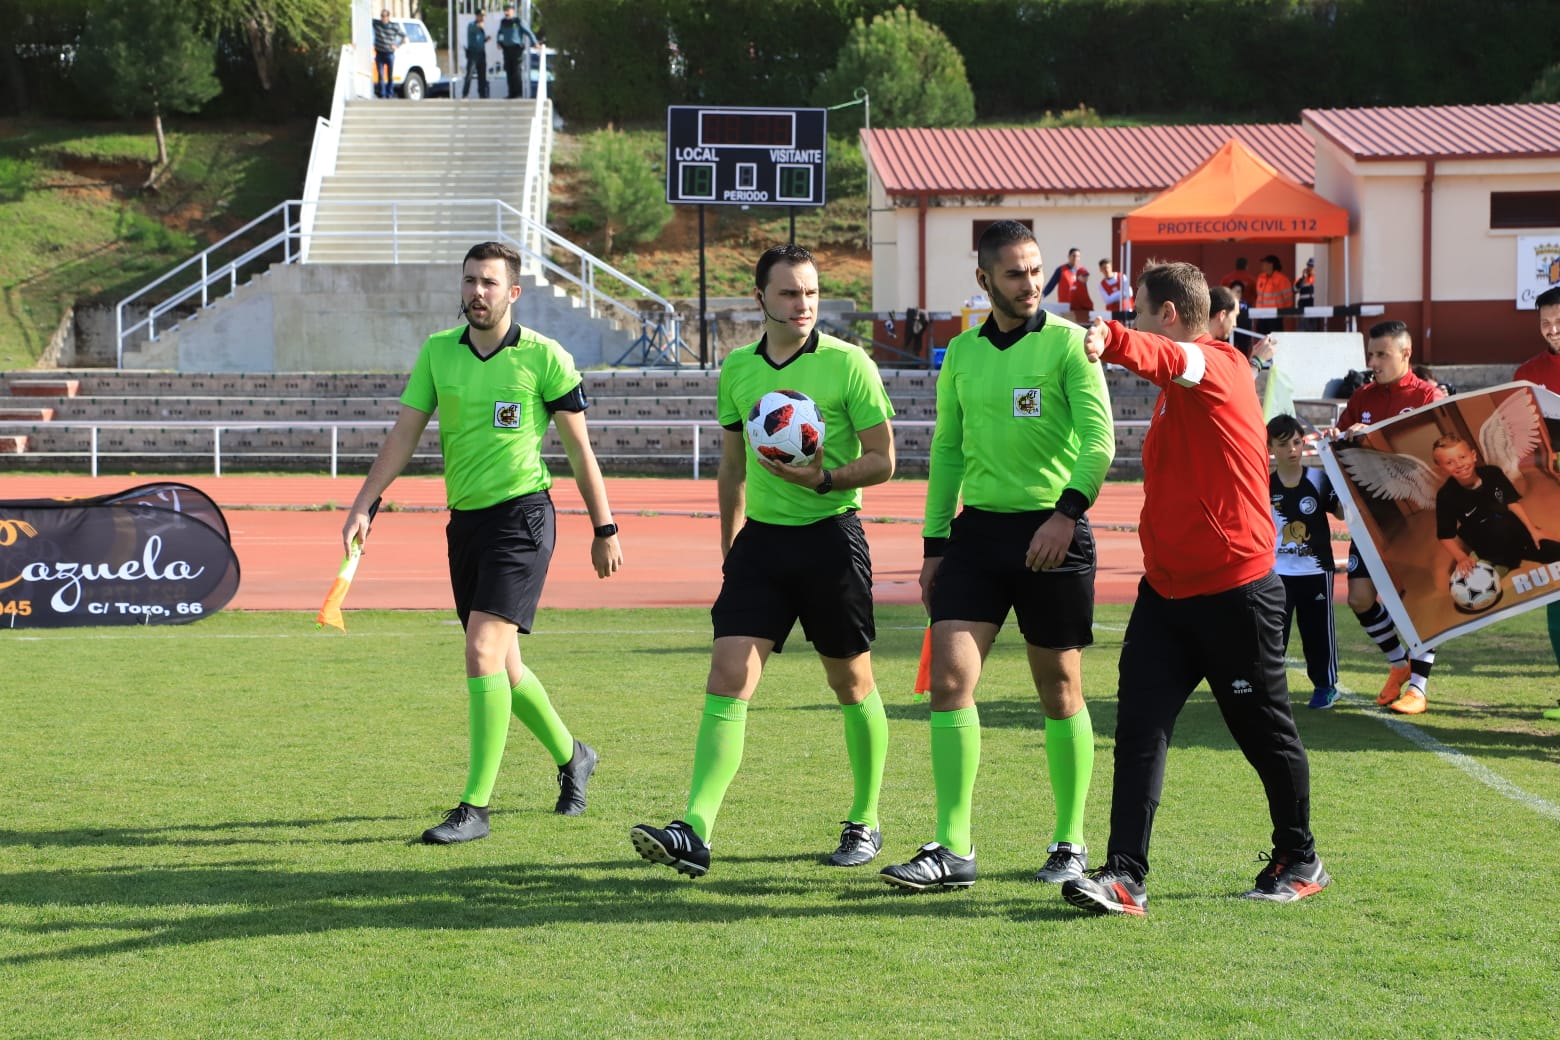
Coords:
pixel 1025 435
pixel 800 554
pixel 496 387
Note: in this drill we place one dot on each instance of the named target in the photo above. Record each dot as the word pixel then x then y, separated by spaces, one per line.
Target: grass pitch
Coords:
pixel 209 832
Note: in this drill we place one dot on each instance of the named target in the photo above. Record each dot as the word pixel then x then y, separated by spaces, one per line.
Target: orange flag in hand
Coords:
pixel 330 613
pixel 923 674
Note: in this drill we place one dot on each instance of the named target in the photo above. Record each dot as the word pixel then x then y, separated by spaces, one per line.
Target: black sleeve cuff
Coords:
pixel 933 548
pixel 1072 504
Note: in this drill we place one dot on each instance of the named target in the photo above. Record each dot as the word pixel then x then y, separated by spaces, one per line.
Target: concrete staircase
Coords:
pixel 427 155
pixel 355 318
pixel 362 303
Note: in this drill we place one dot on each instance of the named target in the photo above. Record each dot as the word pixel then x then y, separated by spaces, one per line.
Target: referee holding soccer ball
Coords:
pixel 800 554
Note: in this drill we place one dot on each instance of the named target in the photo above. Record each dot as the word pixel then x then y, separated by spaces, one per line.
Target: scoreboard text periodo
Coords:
pixel 745 156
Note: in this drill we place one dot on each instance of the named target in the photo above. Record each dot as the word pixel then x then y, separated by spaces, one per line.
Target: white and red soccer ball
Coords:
pixel 784 426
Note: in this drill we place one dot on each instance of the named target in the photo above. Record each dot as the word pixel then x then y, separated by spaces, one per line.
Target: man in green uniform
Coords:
pixel 496 386
pixel 1024 433
pixel 800 553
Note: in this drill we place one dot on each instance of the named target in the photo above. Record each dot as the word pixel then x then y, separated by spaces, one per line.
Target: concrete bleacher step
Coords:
pixel 13 413
pixel 34 387
pixel 13 444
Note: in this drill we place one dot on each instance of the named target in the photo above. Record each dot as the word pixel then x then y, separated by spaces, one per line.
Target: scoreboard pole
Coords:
pixel 704 321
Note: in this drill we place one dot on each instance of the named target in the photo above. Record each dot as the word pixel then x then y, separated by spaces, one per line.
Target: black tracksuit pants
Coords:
pixel 1235 640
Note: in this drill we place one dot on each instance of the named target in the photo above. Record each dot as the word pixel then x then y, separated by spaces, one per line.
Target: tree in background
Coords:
pixel 267 26
pixel 915 77
pixel 622 192
pixel 144 56
pixel 1546 88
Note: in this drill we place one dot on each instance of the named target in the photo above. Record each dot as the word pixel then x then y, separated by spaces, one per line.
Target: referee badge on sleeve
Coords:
pixel 1026 402
pixel 506 415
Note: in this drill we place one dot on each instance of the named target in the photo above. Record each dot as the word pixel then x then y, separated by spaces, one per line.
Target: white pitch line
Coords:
pixel 1458 760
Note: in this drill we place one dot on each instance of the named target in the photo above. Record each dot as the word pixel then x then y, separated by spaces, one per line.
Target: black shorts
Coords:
pixel 499 557
pixel 983 576
pixel 1357 566
pixel 820 573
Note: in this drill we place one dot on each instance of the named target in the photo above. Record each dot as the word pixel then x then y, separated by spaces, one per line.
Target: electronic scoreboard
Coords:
pixel 745 156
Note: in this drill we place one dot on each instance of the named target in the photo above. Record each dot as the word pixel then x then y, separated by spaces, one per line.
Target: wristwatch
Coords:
pixel 606 530
pixel 826 484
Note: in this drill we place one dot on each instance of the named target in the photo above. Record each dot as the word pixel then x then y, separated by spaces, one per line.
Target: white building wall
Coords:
pixel 1472 260
pixel 1060 223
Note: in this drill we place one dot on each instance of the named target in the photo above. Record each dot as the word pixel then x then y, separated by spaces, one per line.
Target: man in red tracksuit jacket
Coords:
pixel 1209 606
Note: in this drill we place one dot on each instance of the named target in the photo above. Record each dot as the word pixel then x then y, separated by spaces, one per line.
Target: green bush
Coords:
pixel 621 190
pixel 17 176
pixel 153 234
pixel 913 75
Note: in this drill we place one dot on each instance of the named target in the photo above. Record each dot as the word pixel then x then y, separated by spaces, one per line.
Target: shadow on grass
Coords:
pixel 252 900
pixel 203 835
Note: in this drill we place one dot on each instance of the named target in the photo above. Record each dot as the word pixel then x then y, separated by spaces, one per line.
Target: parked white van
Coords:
pixel 416 61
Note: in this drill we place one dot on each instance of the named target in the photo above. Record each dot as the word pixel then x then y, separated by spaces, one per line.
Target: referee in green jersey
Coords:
pixel 800 554
pixel 496 386
pixel 1024 434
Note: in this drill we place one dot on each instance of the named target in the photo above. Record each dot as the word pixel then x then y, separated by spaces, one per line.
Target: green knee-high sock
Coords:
pixel 489 730
pixel 866 744
pixel 536 714
pixel 1552 614
pixel 1069 755
pixel 716 756
pixel 955 761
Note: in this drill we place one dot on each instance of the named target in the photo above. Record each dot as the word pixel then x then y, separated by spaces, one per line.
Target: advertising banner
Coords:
pixel 1455 509
pixel 155 554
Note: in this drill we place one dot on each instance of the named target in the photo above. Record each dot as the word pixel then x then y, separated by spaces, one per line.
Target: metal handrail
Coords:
pixel 327 143
pixel 497 218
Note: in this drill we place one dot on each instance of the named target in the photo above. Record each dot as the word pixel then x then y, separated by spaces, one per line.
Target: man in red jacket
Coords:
pixel 1209 606
pixel 1393 390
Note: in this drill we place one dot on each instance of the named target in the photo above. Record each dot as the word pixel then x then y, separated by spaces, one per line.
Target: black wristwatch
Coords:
pixel 826 485
pixel 606 530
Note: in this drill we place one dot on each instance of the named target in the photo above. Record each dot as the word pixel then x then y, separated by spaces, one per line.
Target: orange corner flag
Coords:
pixel 923 674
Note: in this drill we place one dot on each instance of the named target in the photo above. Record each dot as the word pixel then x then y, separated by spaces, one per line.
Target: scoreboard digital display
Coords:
pixel 745 156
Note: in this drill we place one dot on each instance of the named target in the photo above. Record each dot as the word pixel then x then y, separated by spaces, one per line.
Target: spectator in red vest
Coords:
pixel 1063 277
pixel 1115 293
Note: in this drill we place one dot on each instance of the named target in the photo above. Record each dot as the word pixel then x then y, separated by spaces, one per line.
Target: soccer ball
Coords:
pixel 784 426
pixel 1476 591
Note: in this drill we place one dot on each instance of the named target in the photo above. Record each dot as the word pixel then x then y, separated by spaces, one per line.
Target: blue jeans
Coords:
pixel 384 74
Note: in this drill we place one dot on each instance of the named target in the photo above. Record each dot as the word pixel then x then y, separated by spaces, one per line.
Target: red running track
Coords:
pixel 287 533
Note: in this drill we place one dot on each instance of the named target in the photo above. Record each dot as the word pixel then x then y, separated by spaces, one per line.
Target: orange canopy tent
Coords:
pixel 1236 195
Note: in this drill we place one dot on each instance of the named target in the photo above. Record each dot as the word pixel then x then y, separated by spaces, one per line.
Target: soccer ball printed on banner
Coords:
pixel 1476 591
pixel 784 427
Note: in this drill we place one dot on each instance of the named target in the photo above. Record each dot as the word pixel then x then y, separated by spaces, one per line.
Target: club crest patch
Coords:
pixel 1026 403
pixel 506 415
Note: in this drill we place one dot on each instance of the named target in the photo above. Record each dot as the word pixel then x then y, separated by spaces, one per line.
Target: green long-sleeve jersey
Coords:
pixel 1021 417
